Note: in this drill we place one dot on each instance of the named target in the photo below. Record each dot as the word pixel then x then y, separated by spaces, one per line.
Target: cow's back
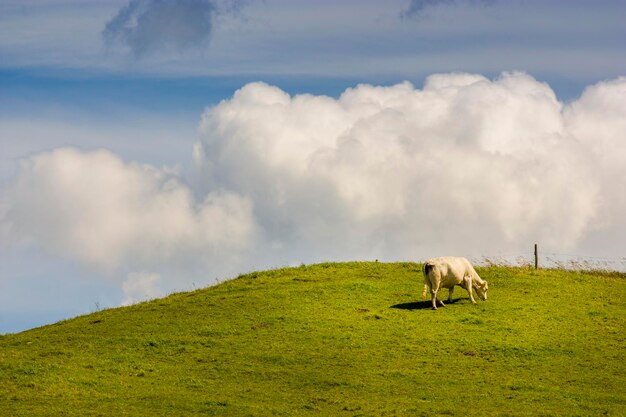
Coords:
pixel 452 269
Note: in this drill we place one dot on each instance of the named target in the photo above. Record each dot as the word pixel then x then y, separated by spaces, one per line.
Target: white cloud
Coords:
pixel 141 286
pixel 598 121
pixel 114 216
pixel 464 165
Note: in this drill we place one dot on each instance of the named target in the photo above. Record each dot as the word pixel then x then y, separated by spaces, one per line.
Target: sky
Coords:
pixel 155 146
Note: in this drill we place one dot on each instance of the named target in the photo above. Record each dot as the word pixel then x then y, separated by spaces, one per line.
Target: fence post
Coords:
pixel 536 258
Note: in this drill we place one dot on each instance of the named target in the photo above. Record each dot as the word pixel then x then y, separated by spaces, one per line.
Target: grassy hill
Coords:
pixel 351 339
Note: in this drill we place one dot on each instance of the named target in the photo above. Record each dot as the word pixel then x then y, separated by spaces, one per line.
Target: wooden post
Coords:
pixel 536 258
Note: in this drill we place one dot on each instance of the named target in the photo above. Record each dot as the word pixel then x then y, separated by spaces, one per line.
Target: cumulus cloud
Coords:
pixel 464 165
pixel 140 286
pixel 598 121
pixel 150 26
pixel 114 216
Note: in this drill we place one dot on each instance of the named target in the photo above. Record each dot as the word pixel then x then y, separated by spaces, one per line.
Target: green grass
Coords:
pixel 348 339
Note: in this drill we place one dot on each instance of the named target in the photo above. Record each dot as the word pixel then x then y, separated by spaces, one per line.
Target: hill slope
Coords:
pixel 334 339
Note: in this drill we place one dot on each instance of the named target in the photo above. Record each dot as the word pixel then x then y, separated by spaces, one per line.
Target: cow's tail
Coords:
pixel 427 268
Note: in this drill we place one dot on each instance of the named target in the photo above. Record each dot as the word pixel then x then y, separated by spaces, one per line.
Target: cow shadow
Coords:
pixel 421 305
pixel 417 305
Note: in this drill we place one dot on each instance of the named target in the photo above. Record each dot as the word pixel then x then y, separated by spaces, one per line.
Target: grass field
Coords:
pixel 350 339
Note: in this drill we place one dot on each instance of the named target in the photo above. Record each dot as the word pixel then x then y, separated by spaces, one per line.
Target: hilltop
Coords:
pixel 333 340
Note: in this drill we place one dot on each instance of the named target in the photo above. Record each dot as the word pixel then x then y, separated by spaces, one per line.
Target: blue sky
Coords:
pixel 151 83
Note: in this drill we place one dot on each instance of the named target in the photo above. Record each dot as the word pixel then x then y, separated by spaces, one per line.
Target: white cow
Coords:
pixel 448 271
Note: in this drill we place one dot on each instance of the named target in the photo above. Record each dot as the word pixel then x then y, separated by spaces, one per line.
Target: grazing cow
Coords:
pixel 448 271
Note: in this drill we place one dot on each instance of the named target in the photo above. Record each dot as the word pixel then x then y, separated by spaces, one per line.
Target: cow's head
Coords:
pixel 481 289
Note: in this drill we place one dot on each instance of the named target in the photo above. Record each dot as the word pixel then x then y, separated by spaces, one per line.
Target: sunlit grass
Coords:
pixel 334 339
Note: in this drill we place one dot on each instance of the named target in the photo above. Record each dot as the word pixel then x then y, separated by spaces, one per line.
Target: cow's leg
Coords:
pixel 435 282
pixel 450 294
pixel 433 297
pixel 469 288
